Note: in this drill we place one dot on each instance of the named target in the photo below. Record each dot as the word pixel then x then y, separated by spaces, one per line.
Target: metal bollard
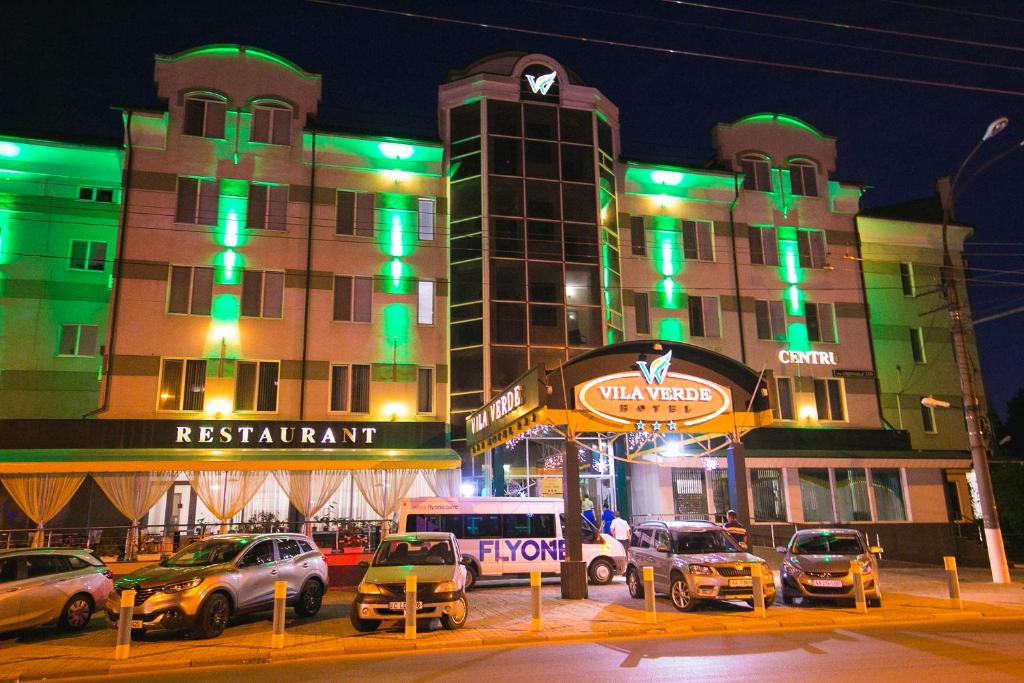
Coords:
pixel 860 602
pixel 124 625
pixel 758 583
pixel 280 597
pixel 535 617
pixel 953 578
pixel 410 607
pixel 652 616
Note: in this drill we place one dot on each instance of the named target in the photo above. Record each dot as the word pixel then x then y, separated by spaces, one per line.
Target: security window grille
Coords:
pixel 769 494
pixel 917 344
pixel 425 391
pixel 256 386
pixel 928 419
pixel 830 400
pixel 852 499
pixel 816 494
pixel 704 316
pixel 262 294
pixel 642 308
pixel 88 255
pixel 784 398
pixel 425 302
pixel 757 174
pixel 887 484
pixel 907 278
pixel 353 298
pixel 191 290
pixel 804 179
pixel 268 207
pixel 360 397
pixel 425 218
pixel 690 494
pixel 698 240
pixel 204 117
pixel 764 246
pixel 811 247
pixel 271 125
pixel 198 201
pixel 638 235
pixel 821 322
pixel 355 213
pixel 102 195
pixel 182 385
pixel 771 320
pixel 77 340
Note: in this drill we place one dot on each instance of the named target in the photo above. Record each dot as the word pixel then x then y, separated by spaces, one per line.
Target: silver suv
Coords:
pixel 693 562
pixel 206 583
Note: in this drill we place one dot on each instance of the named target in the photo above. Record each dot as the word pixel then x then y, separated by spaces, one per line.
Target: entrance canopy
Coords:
pixel 665 394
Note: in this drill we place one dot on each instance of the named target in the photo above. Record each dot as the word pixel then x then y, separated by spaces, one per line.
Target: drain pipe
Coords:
pixel 309 275
pixel 736 266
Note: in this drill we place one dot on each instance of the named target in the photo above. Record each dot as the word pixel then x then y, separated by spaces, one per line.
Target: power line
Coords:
pixel 950 10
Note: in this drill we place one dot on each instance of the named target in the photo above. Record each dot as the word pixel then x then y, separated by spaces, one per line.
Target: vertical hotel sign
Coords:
pixel 516 401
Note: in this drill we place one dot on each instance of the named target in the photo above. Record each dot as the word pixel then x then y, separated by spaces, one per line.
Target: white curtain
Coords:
pixel 384 491
pixel 41 496
pixel 133 494
pixel 310 491
pixel 225 493
pixel 444 483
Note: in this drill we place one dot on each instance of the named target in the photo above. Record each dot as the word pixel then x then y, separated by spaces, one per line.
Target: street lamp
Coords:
pixel 993 537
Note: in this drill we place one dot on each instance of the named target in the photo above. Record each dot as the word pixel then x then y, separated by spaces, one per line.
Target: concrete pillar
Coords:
pixel 738 498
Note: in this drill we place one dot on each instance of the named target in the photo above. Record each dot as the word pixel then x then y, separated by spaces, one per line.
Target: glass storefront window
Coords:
pixel 816 494
pixel 769 494
pixel 852 495
pixel 888 488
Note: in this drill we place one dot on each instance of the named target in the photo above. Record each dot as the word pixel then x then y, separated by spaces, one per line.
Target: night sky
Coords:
pixel 61 70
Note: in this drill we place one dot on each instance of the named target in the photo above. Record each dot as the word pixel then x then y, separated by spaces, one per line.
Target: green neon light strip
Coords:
pixel 243 50
pixel 783 119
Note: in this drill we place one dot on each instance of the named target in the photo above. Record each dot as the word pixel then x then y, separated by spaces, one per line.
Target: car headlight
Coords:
pixel 367 588
pixel 701 569
pixel 182 585
pixel 446 587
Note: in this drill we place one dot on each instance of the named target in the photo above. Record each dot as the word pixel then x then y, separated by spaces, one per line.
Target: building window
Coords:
pixel 182 385
pixel 887 484
pixel 917 344
pixel 804 179
pixel 190 291
pixel 907 278
pixel 425 302
pixel 830 400
pixel 764 246
pixel 355 213
pixel 769 494
pixel 821 322
pixel 77 340
pixel 425 218
pixel 928 418
pixel 852 499
pixel 811 248
pixel 353 298
pixel 757 174
pixel 339 388
pixel 262 294
pixel 360 396
pixel 271 124
pixel 771 320
pixel 198 201
pixel 698 240
pixel 425 391
pixel 103 195
pixel 88 255
pixel 816 494
pixel 268 207
pixel 784 398
pixel 204 117
pixel 642 309
pixel 256 386
pixel 638 235
pixel 704 316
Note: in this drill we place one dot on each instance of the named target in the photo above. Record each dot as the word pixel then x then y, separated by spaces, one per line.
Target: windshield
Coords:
pixel 394 553
pixel 698 542
pixel 210 551
pixel 827 544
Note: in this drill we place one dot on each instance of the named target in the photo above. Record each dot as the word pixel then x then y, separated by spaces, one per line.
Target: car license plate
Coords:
pixel 401 605
pixel 741 583
pixel 136 623
pixel 827 583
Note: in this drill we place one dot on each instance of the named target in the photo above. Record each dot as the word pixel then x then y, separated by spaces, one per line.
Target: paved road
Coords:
pixel 966 651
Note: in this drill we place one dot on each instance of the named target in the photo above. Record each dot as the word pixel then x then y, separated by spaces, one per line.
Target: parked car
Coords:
pixel 816 566
pixel 46 585
pixel 208 582
pixel 441 572
pixel 694 562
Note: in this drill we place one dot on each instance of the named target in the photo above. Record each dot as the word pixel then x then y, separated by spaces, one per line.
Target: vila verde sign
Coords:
pixel 520 398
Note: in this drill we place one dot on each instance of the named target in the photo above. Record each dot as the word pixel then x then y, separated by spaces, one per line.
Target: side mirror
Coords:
pixel 364 564
pixel 780 549
pixel 661 548
pixel 876 550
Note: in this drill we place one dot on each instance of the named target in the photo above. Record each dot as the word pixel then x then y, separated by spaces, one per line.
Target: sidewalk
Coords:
pixel 498 614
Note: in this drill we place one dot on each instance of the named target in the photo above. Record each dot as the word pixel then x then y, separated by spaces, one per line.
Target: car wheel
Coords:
pixel 681 598
pixel 212 617
pixel 633 583
pixel 76 613
pixel 458 616
pixel 601 572
pixel 471 576
pixel 311 597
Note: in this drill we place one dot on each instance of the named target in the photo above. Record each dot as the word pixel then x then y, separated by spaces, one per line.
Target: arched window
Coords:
pixel 204 115
pixel 271 123
pixel 757 173
pixel 803 177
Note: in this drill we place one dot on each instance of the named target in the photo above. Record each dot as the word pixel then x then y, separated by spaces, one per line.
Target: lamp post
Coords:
pixel 979 457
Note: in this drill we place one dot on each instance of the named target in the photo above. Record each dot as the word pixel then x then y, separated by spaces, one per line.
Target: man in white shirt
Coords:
pixel 620 530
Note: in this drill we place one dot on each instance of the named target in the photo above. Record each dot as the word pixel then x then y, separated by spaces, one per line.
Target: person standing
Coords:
pixel 619 529
pixel 606 519
pixel 588 509
pixel 735 529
